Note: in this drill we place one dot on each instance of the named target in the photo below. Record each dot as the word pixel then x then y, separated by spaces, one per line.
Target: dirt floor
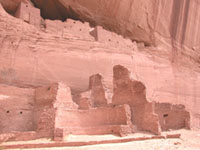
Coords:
pixel 190 140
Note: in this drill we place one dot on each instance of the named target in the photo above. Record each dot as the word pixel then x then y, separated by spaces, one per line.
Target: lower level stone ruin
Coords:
pixel 53 112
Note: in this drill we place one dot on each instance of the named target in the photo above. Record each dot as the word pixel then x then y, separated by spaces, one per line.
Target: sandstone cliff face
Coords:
pixel 11 5
pixel 30 57
pixel 171 23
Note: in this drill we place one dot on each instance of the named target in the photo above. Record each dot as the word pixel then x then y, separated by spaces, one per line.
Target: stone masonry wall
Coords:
pixel 107 120
pixel 133 93
pixel 29 14
pixel 16 109
pixel 172 116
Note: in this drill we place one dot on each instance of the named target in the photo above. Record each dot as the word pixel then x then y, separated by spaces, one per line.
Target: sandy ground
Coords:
pixel 190 140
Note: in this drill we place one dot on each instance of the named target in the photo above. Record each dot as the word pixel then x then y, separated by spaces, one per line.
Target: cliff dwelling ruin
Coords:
pixel 73 71
pixel 50 111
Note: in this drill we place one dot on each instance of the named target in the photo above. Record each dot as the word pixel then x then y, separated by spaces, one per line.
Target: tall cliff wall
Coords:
pixel 170 23
pixel 31 57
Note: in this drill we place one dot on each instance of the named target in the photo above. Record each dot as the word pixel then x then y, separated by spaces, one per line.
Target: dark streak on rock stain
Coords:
pixel 175 23
pixel 175 18
pixel 185 20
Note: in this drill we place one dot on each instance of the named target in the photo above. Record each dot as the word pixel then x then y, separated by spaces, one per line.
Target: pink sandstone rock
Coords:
pixel 83 99
pixel 170 24
pixel 98 96
pixel 12 5
pixel 30 58
pixel 84 103
pixel 154 22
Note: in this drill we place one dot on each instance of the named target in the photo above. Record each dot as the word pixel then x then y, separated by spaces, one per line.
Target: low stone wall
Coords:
pixel 93 117
pixel 102 120
pixel 119 130
pixel 172 116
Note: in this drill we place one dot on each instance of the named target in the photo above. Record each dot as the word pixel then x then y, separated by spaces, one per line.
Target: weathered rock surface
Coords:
pixel 155 22
pixel 12 5
pixel 172 23
pixel 30 57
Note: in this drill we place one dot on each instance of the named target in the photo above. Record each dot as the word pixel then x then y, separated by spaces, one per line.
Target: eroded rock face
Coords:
pixel 53 57
pixel 35 52
pixel 171 23
pixel 154 22
pixel 11 5
pixel 98 90
pixel 124 20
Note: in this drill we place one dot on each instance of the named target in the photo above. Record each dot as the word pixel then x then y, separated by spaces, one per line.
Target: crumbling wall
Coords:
pixel 57 115
pixel 172 116
pixel 93 117
pixel 45 121
pixel 133 93
pixel 105 119
pixel 69 29
pixel 16 109
pixel 97 94
pixel 85 103
pixel 83 99
pixel 53 113
pixel 48 100
pixel 56 95
pixel 55 26
pixel 111 38
pixel 44 112
pixel 29 14
pixel 78 29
